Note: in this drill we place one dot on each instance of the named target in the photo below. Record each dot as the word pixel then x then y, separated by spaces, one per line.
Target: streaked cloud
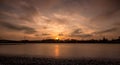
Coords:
pixel 18 28
pixel 40 19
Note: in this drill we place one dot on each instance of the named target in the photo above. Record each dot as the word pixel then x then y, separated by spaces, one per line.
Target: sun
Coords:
pixel 57 38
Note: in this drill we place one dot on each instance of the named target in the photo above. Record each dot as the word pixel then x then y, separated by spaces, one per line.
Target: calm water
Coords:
pixel 64 50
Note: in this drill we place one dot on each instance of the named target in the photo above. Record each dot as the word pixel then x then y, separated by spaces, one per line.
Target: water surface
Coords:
pixel 63 50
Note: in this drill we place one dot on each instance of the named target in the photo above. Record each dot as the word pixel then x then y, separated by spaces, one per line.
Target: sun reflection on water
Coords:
pixel 56 50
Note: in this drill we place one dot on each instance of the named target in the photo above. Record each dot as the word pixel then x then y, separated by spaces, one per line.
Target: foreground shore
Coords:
pixel 24 60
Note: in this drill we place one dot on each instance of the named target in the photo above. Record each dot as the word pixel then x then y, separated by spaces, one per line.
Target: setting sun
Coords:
pixel 57 38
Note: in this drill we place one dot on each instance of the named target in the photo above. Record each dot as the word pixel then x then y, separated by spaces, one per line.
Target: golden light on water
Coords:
pixel 56 51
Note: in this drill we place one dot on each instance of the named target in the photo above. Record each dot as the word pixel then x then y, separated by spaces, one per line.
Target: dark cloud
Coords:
pixel 60 34
pixel 22 9
pixel 79 33
pixel 45 34
pixel 106 15
pixel 73 2
pixel 112 7
pixel 26 29
pixel 117 24
pixel 106 31
pixel 44 27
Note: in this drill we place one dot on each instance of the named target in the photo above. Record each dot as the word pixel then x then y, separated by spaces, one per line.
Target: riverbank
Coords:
pixel 24 60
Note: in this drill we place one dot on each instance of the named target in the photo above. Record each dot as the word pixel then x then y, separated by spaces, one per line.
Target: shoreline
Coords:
pixel 26 60
pixel 15 43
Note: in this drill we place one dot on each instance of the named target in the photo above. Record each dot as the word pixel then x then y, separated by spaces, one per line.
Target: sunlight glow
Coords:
pixel 57 38
pixel 56 51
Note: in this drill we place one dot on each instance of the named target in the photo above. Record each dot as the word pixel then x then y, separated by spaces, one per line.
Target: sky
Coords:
pixel 63 19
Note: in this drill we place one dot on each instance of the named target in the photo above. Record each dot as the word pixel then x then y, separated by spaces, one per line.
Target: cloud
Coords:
pixel 75 18
pixel 26 29
pixel 20 8
pixel 79 33
pixel 106 15
pixel 106 31
pixel 60 34
pixel 111 8
pixel 45 34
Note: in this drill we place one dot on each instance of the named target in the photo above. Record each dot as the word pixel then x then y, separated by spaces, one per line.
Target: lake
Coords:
pixel 63 50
